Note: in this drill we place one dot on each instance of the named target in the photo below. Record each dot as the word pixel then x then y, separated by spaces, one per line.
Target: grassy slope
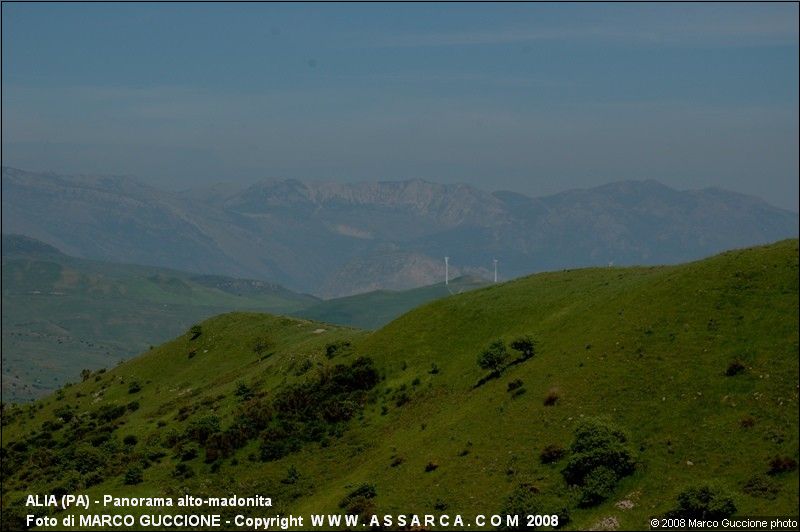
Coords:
pixel 375 309
pixel 645 347
pixel 61 314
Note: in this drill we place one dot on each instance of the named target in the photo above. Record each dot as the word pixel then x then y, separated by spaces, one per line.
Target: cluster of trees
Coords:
pixel 496 356
pixel 360 501
pixel 599 457
pixel 312 410
pixel 76 449
pixel 704 501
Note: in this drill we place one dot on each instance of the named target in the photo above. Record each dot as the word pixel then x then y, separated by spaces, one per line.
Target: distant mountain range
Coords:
pixel 334 239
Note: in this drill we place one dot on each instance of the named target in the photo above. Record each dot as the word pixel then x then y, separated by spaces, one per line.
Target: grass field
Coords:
pixel 696 363
pixel 62 314
pixel 375 309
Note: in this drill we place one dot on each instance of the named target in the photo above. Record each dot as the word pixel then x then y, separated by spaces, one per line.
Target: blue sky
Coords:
pixel 535 98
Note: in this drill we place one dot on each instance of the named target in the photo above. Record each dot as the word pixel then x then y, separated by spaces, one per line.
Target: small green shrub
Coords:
pixel 201 429
pixel 184 412
pixel 360 500
pixel 65 413
pixel 195 331
pixel 303 367
pixel 155 456
pixel 513 385
pixel 522 501
pixel 401 398
pixel 525 345
pixel 243 391
pixel 182 471
pixel 87 458
pixel 761 486
pixel 367 491
pixel 133 475
pixel 494 357
pixel 552 453
pixel 134 387
pixel 292 475
pixel 466 450
pixel 704 502
pixel 337 348
pixel 782 464
pixel 188 452
pixel 261 346
pixel 551 398
pixel 734 368
pixel 108 413
pixel 526 499
pixel 92 478
pixel 598 485
pixel 279 441
pixel 599 457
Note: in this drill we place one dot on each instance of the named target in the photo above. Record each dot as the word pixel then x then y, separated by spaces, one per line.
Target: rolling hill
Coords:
pixel 62 314
pixel 645 382
pixel 377 308
pixel 340 239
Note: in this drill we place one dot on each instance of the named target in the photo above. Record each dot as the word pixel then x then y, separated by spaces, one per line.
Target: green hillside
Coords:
pixel 645 382
pixel 375 309
pixel 62 314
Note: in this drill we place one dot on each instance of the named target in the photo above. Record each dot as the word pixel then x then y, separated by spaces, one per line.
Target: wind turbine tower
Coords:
pixel 446 266
pixel 495 270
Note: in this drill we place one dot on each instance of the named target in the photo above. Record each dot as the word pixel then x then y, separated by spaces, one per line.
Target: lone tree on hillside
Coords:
pixel 525 345
pixel 494 357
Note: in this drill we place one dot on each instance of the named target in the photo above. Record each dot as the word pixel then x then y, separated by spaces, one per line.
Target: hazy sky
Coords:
pixel 535 98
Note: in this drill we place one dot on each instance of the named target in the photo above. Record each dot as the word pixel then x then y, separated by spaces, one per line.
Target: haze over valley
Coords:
pixel 339 239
